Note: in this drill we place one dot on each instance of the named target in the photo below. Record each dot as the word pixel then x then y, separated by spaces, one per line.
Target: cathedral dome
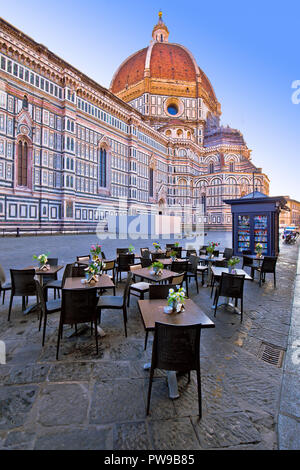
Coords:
pixel 163 68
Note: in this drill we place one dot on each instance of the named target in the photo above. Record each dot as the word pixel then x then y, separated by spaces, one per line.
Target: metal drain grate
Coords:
pixel 271 354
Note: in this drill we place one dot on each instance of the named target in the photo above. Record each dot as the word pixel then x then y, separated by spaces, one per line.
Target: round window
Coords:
pixel 172 109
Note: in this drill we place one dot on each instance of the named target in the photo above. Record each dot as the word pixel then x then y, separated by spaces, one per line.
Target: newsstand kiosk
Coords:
pixel 255 219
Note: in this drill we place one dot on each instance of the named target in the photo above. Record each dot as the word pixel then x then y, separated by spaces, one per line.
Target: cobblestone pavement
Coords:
pixel 84 401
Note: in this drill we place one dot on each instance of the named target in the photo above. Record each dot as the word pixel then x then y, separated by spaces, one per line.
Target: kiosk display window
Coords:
pixel 261 232
pixel 243 233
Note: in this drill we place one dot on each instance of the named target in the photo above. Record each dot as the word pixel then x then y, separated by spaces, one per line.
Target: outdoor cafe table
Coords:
pixel 217 272
pixel 104 282
pixel 168 261
pixel 152 311
pixel 145 273
pixel 210 260
pixel 41 272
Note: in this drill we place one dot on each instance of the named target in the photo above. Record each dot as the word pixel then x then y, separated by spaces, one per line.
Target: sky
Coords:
pixel 248 50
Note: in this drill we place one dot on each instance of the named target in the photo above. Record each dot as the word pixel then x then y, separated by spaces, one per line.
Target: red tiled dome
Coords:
pixel 130 72
pixel 167 61
pixel 171 62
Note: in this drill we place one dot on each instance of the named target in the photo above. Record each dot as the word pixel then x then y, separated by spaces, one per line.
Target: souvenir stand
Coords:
pixel 255 219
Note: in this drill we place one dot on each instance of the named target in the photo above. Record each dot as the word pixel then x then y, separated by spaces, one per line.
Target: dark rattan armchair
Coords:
pixel 116 302
pixel 78 306
pixel 22 285
pixel 231 285
pixel 176 348
pixel 268 266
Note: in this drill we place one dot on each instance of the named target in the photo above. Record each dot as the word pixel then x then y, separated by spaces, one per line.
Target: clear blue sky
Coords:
pixel 249 51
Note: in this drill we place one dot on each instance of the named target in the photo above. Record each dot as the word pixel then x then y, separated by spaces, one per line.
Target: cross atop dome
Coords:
pixel 160 31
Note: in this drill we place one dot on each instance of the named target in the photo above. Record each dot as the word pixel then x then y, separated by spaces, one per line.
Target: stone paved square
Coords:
pixel 85 401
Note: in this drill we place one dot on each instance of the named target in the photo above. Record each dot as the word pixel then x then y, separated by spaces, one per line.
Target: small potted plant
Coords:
pixel 211 248
pixel 176 244
pixel 259 249
pixel 157 268
pixel 156 246
pixel 231 264
pixel 176 299
pixel 131 249
pixel 93 271
pixel 96 252
pixel 173 255
pixel 42 259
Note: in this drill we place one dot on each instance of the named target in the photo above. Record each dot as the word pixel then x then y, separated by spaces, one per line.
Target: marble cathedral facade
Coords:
pixel 72 151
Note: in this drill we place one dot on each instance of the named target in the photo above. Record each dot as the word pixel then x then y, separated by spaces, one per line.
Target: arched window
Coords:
pixel 211 168
pixel 25 102
pixel 22 163
pixel 102 168
pixel 151 182
pixel 203 202
pixel 231 166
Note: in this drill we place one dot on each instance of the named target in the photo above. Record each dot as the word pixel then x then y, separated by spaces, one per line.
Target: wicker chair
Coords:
pixel 145 253
pixel 192 272
pixel 4 286
pixel 177 280
pixel 214 280
pixel 124 263
pixel 231 285
pixel 248 261
pixel 22 285
pixel 181 267
pixel 52 306
pixel 228 252
pixel 78 270
pixel 116 302
pixel 268 266
pixel 176 348
pixel 51 277
pixel 58 284
pixel 158 291
pixel 156 256
pixel 138 289
pixel 78 306
pixel 110 266
pixel 146 262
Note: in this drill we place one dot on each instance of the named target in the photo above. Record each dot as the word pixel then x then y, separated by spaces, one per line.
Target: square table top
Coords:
pixel 217 272
pixel 255 257
pixel 212 260
pixel 145 274
pixel 152 310
pixel 104 282
pixel 157 252
pixel 40 272
pixel 168 261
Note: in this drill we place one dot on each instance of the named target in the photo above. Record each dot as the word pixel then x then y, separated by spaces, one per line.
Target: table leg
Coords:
pixel 34 306
pixel 226 304
pixel 86 327
pixel 172 381
pixel 209 274
pixel 172 384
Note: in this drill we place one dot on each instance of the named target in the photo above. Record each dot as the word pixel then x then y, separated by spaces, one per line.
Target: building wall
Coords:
pixel 67 123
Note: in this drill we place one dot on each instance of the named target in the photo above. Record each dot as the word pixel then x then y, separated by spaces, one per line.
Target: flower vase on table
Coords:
pixel 211 248
pixel 42 259
pixel 156 268
pixel 156 246
pixel 258 249
pixel 92 272
pixel 175 300
pixel 232 262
